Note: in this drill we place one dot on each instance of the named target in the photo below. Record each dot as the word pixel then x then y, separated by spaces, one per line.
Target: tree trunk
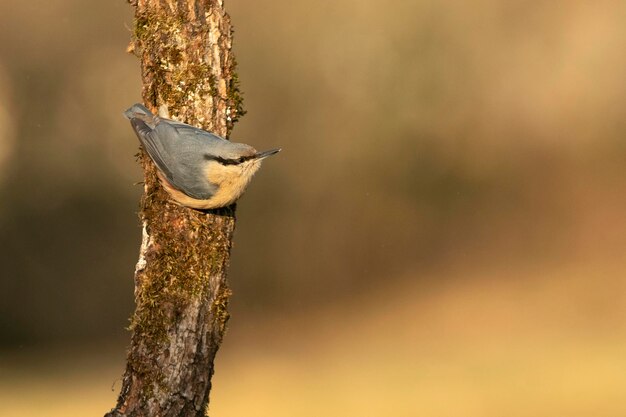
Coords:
pixel 181 291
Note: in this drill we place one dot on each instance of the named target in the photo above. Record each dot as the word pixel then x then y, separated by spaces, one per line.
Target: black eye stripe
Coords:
pixel 225 161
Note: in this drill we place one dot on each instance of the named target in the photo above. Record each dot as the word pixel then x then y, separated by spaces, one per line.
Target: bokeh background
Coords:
pixel 443 234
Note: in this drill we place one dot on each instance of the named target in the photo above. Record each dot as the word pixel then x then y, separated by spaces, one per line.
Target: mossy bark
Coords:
pixel 181 290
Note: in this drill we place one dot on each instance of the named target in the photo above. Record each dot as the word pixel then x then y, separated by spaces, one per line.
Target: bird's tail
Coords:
pixel 139 111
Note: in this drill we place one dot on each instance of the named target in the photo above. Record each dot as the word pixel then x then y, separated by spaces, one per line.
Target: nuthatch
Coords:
pixel 197 168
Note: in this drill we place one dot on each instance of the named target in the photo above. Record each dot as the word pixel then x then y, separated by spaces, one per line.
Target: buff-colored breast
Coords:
pixel 231 182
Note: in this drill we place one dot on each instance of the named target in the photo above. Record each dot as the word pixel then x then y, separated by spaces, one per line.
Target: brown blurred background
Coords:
pixel 442 235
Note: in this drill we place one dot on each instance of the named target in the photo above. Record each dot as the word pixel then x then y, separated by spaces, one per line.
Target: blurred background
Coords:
pixel 442 235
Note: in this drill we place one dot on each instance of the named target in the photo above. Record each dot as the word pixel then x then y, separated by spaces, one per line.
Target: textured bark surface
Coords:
pixel 181 291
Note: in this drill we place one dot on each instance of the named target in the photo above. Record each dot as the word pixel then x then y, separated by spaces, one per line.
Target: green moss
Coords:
pixel 235 96
pixel 220 308
pixel 173 79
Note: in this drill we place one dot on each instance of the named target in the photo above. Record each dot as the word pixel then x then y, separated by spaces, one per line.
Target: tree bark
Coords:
pixel 181 292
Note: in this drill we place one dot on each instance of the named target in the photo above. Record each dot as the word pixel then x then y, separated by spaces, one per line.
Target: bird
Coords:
pixel 197 168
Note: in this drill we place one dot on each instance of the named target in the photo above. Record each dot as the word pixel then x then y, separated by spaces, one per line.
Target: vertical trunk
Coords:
pixel 180 279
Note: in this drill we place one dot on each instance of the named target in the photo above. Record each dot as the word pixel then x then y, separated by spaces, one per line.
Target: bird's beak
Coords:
pixel 265 154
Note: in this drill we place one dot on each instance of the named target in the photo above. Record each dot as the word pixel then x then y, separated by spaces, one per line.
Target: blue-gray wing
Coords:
pixel 178 151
